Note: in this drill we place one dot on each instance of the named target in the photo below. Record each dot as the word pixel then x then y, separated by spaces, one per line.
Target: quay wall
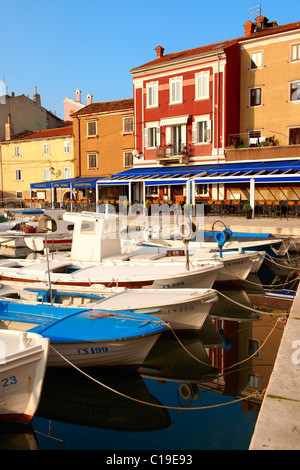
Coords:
pixel 278 423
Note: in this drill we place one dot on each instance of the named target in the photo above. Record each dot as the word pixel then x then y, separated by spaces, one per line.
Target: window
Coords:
pixel 46 149
pixel 19 195
pixel 295 52
pixel 128 159
pixel 46 173
pixel 67 147
pixel 295 91
pixel 254 380
pixel 92 161
pixel 202 85
pixel 202 190
pixel 91 128
pixel 253 346
pixel 256 60
pixel 18 174
pixel 88 227
pixel 294 136
pixel 67 172
pixel 127 124
pixel 202 130
pixel 17 151
pixel 152 135
pixel 152 94
pixel 176 90
pixel 255 97
pixel 254 138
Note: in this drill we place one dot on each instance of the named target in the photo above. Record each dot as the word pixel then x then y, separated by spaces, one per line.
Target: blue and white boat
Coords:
pixel 85 338
pixel 182 309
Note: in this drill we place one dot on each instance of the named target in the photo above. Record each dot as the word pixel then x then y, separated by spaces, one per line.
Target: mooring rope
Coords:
pixel 142 402
pixel 261 312
pixel 264 285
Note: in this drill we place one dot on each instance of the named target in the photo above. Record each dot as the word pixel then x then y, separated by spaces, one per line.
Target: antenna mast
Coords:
pixel 255 11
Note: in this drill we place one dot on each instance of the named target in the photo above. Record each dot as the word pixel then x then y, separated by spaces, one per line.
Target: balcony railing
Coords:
pixel 171 153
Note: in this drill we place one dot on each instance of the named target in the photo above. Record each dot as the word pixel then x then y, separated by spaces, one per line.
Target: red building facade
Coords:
pixel 186 104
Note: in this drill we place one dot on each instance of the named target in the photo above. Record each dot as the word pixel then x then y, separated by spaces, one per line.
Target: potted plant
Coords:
pixel 248 210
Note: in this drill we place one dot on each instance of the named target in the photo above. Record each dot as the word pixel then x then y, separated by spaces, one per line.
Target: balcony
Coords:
pixel 168 154
pixel 261 148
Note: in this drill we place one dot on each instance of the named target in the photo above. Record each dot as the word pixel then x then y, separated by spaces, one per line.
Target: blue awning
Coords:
pixel 284 171
pixel 78 182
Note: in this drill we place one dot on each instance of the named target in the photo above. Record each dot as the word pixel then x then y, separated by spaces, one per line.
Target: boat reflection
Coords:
pixel 71 397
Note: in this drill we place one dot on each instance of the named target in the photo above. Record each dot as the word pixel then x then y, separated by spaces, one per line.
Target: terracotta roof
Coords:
pixel 43 134
pixel 106 106
pixel 217 46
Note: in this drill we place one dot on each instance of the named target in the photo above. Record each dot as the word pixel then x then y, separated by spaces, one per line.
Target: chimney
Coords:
pixel 261 23
pixel 159 52
pixel 249 28
pixel 9 131
pixel 78 95
pixel 89 99
pixel 36 97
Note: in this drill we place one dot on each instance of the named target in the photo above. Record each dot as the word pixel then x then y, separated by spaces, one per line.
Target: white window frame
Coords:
pixel 67 147
pixel 152 135
pixel 67 172
pixel 46 174
pixel 203 121
pixel 46 149
pixel 295 52
pixel 91 154
pixel 18 174
pixel 256 60
pixel 127 154
pixel 298 94
pixel 126 125
pixel 19 194
pixel 175 87
pixel 91 121
pixel 152 94
pixel 202 189
pixel 202 85
pixel 17 151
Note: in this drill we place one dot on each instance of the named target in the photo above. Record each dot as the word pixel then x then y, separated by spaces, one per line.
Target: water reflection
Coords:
pixel 230 359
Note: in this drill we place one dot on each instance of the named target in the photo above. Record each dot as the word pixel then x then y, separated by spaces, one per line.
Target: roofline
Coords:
pixel 81 113
pixel 191 58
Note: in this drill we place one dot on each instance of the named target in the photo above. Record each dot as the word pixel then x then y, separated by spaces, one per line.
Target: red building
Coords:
pixel 186 103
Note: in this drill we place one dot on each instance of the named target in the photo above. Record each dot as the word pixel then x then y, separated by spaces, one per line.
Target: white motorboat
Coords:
pixel 182 309
pixel 23 360
pixel 40 228
pixel 132 275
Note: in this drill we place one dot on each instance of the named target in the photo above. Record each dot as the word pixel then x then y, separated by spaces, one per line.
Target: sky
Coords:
pixel 62 45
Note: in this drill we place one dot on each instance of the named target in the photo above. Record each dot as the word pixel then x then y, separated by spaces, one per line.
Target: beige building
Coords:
pixel 270 83
pixel 36 157
pixel 24 113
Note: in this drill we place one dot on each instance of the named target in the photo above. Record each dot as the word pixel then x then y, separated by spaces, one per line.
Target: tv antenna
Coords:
pixel 255 11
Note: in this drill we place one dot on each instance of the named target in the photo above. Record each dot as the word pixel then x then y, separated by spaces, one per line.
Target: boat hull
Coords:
pixel 83 337
pixel 140 275
pixel 21 377
pixel 38 244
pixel 120 353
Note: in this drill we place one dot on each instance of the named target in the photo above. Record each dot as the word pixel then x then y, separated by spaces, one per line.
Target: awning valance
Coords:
pixel 174 121
pixel 79 182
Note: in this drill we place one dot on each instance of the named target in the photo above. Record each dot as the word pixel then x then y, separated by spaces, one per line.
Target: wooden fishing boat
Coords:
pixel 23 359
pixel 82 337
pixel 182 309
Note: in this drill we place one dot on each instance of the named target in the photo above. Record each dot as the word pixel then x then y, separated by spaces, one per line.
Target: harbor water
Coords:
pixel 195 391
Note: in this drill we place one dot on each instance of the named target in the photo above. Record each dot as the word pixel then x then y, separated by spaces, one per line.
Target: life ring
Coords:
pixel 188 391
